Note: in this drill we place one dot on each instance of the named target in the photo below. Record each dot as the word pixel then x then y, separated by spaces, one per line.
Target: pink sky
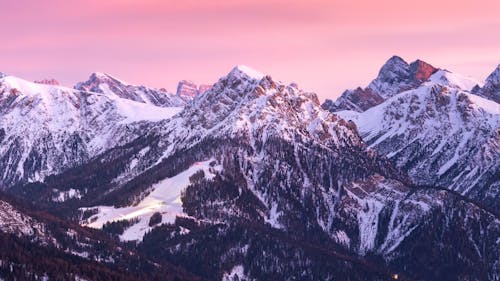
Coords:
pixel 324 46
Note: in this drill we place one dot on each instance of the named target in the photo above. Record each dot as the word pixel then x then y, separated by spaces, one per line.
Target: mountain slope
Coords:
pixel 37 246
pixel 441 134
pixel 491 88
pixel 251 114
pixel 45 129
pixel 358 100
pixel 253 153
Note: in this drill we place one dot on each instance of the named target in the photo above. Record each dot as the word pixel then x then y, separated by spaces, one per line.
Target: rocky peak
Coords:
pixel 222 98
pixel 96 79
pixel 439 133
pixel 421 71
pixel 51 81
pixel 358 100
pixel 290 94
pixel 491 88
pixel 187 89
pixel 246 102
pixel 494 77
pixel 106 84
pixel 203 88
pixel 101 76
pixel 493 82
pixel 396 76
pixel 243 71
pixel 395 69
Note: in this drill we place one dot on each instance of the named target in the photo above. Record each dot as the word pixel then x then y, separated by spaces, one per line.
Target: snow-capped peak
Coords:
pixel 239 83
pixel 68 125
pixel 396 75
pixel 28 88
pixel 97 78
pixel 440 133
pixel 99 74
pixel 99 82
pixel 447 78
pixel 247 71
pixel 239 105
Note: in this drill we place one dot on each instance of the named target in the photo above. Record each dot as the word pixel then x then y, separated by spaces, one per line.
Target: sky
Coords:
pixel 324 46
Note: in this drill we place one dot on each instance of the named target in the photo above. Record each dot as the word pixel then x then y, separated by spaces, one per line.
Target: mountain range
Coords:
pixel 253 179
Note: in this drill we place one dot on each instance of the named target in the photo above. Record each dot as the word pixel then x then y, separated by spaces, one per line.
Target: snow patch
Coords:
pixel 65 195
pixel 342 238
pixel 368 224
pixel 138 111
pixel 237 273
pixel 485 104
pixel 453 79
pixel 274 217
pixel 164 198
pixel 252 73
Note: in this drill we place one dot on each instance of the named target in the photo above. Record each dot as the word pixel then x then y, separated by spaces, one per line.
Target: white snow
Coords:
pixel 485 104
pixel 447 78
pixel 379 119
pixel 368 224
pixel 237 271
pixel 342 238
pixel 446 166
pixel 348 115
pixel 135 111
pixel 252 73
pixel 165 198
pixel 442 115
pixel 274 217
pixel 138 111
pixel 15 222
pixel 65 195
pixel 35 113
pixel 103 75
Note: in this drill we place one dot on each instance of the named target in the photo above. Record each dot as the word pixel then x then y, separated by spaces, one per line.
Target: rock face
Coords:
pixel 108 85
pixel 51 81
pixel 358 100
pixel 421 71
pixel 491 88
pixel 188 90
pixel 203 88
pixel 395 76
pixel 441 135
pixel 278 189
